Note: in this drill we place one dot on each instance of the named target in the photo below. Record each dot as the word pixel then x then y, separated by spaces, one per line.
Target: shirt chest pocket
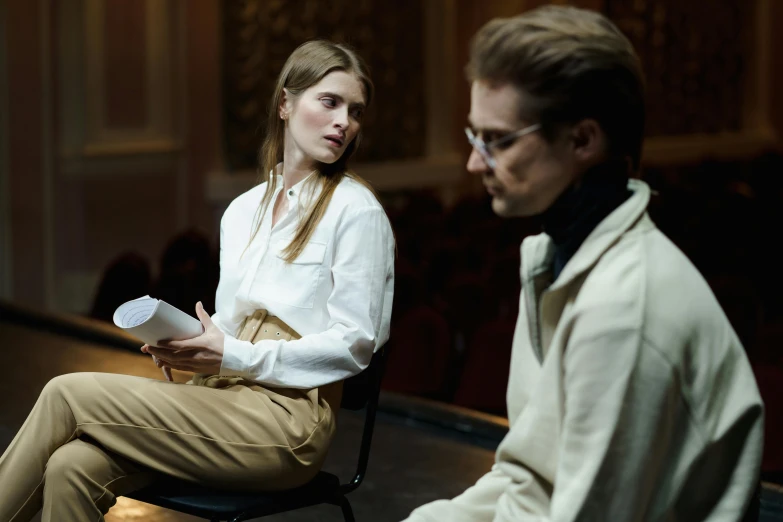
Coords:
pixel 295 283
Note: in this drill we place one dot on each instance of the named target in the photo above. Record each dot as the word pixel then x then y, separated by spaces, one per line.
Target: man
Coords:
pixel 630 397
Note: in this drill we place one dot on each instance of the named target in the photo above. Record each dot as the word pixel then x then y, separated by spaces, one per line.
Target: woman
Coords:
pixel 304 299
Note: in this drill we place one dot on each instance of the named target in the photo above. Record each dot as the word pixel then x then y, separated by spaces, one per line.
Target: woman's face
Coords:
pixel 323 119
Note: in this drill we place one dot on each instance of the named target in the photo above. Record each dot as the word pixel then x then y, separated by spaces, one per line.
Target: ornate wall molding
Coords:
pixel 107 52
pixel 6 269
pixel 695 58
pixel 47 153
pixel 86 129
pixel 708 76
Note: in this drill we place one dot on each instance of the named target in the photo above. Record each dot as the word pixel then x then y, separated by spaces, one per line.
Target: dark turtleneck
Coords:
pixel 582 206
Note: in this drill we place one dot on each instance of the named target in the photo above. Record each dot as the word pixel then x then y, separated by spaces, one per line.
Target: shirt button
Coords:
pixel 290 192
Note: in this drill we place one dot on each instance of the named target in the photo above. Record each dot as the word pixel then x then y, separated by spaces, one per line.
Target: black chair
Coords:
pixel 217 505
pixel 753 512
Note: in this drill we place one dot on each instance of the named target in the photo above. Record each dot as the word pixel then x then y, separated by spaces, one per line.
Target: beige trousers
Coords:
pixel 92 437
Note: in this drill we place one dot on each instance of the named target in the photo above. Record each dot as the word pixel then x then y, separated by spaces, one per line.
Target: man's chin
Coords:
pixel 505 208
pixel 502 207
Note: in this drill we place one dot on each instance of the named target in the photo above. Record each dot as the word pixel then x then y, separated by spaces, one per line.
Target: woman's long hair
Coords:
pixel 308 65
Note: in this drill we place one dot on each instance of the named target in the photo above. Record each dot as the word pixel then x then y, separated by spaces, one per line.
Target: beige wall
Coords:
pixel 26 180
pixel 5 212
pixel 114 123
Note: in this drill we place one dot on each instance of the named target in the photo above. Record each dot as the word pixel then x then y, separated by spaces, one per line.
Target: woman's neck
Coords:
pixel 296 165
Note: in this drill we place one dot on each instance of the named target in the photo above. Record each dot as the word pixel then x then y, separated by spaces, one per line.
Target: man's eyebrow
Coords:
pixel 488 130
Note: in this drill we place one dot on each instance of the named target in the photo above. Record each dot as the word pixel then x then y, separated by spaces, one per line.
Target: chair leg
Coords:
pixel 347 511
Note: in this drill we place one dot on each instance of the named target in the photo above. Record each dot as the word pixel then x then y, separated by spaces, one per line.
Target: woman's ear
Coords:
pixel 285 105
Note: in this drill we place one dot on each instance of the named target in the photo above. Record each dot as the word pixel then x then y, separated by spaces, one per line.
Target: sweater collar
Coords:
pixel 538 251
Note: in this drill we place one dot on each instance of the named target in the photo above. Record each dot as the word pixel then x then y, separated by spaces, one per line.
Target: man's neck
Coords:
pixel 582 207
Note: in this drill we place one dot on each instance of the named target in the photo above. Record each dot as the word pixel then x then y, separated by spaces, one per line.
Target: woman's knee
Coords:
pixel 84 468
pixel 70 462
pixel 63 382
pixel 65 385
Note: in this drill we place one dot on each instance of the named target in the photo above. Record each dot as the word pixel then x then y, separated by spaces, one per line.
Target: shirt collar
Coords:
pixel 304 191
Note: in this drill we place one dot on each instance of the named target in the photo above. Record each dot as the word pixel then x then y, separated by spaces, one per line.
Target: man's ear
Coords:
pixel 588 141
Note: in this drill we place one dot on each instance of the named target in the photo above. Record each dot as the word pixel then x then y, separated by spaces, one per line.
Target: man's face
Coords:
pixel 530 172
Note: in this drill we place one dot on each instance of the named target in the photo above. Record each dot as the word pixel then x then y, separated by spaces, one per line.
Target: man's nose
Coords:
pixel 476 163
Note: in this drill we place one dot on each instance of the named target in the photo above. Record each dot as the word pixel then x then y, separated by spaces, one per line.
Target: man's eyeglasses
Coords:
pixel 485 148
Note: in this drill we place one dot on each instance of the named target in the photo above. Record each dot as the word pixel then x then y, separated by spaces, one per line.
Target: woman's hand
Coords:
pixel 159 364
pixel 202 354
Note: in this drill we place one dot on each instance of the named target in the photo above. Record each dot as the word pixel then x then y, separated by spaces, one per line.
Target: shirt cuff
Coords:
pixel 233 361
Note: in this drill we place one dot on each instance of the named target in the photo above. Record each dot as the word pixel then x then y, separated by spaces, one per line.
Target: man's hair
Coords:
pixel 571 64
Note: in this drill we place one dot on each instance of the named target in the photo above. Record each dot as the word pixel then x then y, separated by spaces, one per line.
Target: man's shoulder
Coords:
pixel 672 280
pixel 648 256
pixel 649 273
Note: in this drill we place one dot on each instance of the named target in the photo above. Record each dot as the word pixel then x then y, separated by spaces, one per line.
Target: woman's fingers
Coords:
pixel 166 369
pixel 196 361
pixel 169 365
pixel 167 354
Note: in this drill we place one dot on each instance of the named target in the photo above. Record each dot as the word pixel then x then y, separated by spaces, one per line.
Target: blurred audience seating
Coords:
pixel 189 272
pixel 457 280
pixel 464 263
pixel 127 277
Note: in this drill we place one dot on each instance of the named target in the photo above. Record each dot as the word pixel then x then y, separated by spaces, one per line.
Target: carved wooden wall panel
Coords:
pixel 124 64
pixel 260 34
pixel 696 58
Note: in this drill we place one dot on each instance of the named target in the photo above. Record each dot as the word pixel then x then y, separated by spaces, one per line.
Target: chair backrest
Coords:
pixel 359 391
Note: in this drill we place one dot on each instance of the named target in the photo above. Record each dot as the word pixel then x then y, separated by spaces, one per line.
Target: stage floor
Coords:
pixel 411 463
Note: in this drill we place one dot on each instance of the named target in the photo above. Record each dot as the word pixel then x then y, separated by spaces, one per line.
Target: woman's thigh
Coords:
pixel 227 436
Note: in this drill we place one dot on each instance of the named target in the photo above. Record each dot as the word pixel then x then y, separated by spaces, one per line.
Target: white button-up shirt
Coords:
pixel 337 294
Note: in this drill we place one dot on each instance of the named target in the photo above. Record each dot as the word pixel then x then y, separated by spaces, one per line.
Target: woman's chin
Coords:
pixel 328 157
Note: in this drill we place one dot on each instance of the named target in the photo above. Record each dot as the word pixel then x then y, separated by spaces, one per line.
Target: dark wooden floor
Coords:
pixel 410 463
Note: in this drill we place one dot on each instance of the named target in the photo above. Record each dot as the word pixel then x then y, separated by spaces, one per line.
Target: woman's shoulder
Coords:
pixel 247 201
pixel 354 194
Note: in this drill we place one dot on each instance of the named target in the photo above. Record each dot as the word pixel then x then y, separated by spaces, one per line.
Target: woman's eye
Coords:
pixel 357 114
pixel 329 102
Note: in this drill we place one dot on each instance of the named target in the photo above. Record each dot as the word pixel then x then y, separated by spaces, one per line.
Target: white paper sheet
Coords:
pixel 152 320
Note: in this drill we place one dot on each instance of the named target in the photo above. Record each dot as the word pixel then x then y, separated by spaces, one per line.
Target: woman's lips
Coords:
pixel 334 141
